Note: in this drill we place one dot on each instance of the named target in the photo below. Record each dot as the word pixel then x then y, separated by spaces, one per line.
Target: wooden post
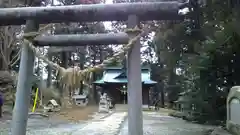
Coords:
pixel 134 88
pixel 24 86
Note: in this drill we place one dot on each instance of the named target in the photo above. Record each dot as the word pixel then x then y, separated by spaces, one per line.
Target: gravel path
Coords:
pixel 114 124
pixel 102 124
pixel 156 124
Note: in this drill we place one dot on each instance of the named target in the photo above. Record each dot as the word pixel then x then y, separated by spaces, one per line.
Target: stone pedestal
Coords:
pixel 233 108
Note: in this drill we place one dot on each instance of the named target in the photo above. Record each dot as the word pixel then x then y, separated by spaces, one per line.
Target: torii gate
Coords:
pixel 130 12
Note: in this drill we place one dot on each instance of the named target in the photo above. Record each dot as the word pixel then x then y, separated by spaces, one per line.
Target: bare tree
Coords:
pixel 9 50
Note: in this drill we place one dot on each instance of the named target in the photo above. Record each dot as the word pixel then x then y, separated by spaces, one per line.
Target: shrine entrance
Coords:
pixel 133 13
pixel 124 97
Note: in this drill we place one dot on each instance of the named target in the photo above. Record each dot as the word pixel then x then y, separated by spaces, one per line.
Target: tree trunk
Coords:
pixel 82 60
pixel 92 93
pixel 50 56
pixel 173 92
pixel 63 90
pixel 161 87
pixel 49 78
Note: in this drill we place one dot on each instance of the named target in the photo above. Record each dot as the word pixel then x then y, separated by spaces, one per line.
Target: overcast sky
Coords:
pixel 108 25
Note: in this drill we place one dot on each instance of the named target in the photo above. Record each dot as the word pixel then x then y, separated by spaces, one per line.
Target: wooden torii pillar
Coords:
pixel 130 12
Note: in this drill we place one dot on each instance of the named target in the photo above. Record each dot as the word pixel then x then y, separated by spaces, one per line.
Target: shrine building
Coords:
pixel 114 83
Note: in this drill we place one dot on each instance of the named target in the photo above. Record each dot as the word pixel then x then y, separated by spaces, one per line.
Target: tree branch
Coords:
pixel 18 58
pixel 3 56
pixel 11 63
pixel 1 48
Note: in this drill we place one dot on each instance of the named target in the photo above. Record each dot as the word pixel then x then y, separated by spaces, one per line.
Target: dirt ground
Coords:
pixel 72 114
pixel 75 114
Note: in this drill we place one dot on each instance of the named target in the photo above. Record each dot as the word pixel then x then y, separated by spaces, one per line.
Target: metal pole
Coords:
pixel 135 121
pixel 21 108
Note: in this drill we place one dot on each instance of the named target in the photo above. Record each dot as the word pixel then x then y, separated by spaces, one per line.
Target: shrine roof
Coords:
pixel 119 75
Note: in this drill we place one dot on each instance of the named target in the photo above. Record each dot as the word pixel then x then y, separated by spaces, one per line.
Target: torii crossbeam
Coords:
pixel 91 13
